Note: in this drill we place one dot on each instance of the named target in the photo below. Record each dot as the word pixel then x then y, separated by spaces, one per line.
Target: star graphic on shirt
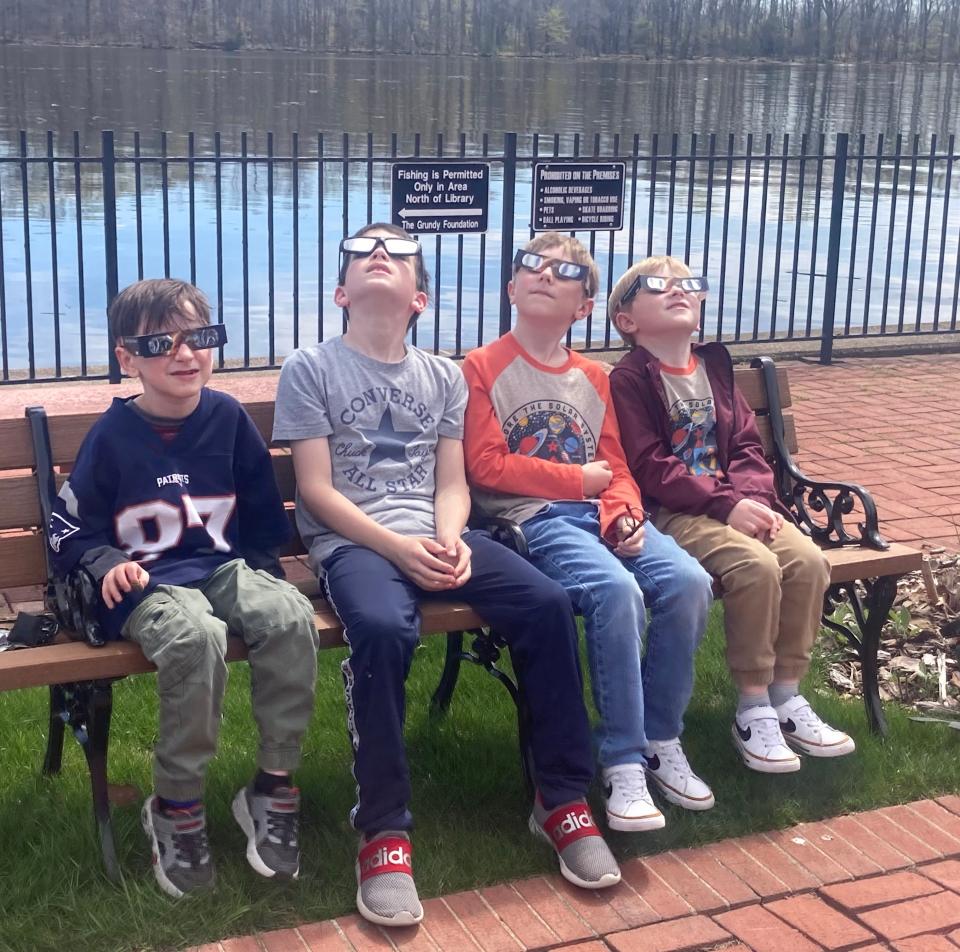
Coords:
pixel 388 442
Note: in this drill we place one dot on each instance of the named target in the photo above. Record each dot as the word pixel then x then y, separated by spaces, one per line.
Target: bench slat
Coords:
pixel 766 434
pixel 849 564
pixel 750 382
pixel 74 661
pixel 16 443
pixel 22 561
pixel 19 506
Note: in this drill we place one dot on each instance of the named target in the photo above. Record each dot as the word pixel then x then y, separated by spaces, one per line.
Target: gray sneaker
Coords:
pixel 271 823
pixel 181 853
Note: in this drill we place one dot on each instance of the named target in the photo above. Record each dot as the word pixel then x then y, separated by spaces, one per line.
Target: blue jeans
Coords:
pixel 636 700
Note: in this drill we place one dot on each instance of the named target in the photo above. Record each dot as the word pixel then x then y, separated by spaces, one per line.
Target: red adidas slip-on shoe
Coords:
pixel 386 892
pixel 585 858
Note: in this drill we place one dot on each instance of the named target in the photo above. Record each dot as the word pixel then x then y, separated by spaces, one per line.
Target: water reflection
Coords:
pixel 769 280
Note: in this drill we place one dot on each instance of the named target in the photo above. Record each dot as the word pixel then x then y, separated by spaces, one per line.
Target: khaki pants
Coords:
pixel 183 631
pixel 772 593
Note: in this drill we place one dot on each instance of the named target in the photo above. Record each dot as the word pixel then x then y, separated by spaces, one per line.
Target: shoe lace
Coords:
pixel 632 781
pixel 806 715
pixel 769 730
pixel 673 755
pixel 191 847
pixel 283 827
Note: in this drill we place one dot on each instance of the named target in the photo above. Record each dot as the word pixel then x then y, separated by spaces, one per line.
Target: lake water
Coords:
pixel 87 90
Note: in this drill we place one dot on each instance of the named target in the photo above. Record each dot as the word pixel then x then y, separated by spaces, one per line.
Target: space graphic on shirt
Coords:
pixel 694 437
pixel 551 431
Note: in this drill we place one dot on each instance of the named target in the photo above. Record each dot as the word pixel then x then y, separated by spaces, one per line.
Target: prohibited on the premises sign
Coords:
pixel 440 198
pixel 578 196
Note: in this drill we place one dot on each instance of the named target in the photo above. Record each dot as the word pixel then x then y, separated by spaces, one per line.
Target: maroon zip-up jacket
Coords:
pixel 645 431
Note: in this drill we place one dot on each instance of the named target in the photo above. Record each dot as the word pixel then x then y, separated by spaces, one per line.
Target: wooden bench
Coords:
pixel 36 453
pixel 864 568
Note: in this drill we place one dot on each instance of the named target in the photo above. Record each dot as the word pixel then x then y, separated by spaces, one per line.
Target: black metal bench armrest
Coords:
pixel 805 497
pixel 835 500
pixel 505 531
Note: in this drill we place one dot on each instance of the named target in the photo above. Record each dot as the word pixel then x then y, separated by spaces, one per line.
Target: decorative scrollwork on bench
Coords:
pixel 832 502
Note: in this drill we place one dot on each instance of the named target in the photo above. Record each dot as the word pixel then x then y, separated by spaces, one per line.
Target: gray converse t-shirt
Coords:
pixel 383 422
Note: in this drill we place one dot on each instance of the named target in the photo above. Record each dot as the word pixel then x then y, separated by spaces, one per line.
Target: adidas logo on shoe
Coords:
pixel 399 858
pixel 576 821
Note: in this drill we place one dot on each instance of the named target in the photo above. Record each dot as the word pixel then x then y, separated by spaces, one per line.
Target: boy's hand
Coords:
pixel 458 554
pixel 756 520
pixel 419 558
pixel 596 478
pixel 630 533
pixel 122 579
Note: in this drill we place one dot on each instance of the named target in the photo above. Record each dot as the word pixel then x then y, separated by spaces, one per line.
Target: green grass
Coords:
pixel 469 802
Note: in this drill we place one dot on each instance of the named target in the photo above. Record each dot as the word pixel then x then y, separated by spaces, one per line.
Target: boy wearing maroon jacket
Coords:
pixel 692 445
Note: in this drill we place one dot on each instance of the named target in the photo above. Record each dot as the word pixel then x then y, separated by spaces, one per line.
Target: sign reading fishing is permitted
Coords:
pixel 441 198
pixel 578 197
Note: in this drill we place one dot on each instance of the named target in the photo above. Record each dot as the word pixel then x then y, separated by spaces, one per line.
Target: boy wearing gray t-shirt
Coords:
pixel 376 429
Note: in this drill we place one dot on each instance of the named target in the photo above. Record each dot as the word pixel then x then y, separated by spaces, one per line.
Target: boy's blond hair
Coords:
pixel 573 251
pixel 652 265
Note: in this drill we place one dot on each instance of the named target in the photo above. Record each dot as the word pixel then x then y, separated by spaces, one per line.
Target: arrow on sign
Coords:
pixel 448 212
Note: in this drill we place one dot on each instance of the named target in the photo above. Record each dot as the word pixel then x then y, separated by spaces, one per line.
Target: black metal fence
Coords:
pixel 802 238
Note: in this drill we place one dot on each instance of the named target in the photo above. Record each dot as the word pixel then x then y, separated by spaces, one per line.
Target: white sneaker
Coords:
pixel 668 768
pixel 756 734
pixel 804 731
pixel 629 804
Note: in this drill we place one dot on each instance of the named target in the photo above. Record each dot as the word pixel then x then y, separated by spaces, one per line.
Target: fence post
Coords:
pixel 833 249
pixel 506 225
pixel 110 238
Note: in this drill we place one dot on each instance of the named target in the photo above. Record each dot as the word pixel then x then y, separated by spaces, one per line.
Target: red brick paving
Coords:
pixel 717 897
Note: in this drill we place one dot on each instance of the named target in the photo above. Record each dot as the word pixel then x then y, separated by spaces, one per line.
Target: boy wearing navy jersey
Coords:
pixel 173 508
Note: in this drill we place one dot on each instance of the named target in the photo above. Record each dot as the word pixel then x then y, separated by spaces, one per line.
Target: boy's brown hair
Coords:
pixel 652 265
pixel 154 305
pixel 573 250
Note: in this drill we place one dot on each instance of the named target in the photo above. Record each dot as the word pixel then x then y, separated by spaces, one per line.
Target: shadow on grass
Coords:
pixel 469 802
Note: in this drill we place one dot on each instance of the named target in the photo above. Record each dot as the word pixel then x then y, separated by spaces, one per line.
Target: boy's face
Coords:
pixel 542 298
pixel 669 314
pixel 171 382
pixel 380 281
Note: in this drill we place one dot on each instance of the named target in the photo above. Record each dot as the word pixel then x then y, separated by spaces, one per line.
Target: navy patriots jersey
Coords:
pixel 181 508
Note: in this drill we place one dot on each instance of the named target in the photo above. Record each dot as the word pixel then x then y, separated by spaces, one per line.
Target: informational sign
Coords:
pixel 441 198
pixel 578 196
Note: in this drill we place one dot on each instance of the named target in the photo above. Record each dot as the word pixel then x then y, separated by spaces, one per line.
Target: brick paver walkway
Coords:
pixel 887 879
pixel 889 424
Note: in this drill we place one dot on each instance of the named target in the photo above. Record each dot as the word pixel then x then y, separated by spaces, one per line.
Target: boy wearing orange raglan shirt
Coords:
pixel 542 448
